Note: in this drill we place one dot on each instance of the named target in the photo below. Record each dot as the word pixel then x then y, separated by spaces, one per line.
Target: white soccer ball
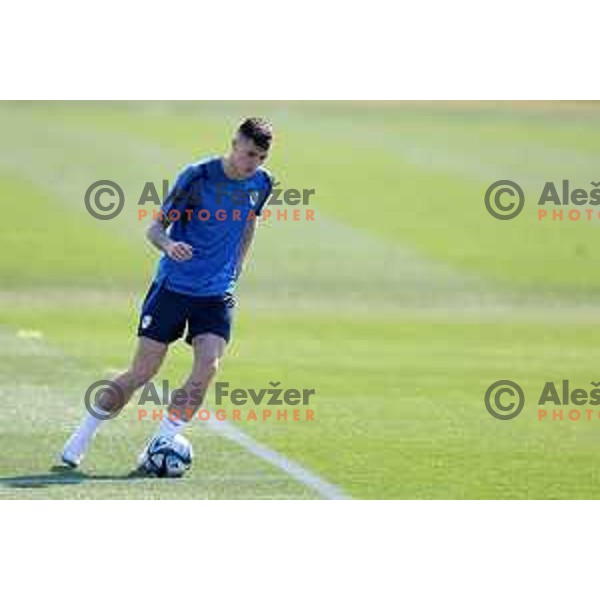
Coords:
pixel 167 457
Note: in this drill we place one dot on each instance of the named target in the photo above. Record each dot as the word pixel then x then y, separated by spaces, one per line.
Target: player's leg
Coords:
pixel 209 331
pixel 208 351
pixel 162 321
pixel 145 364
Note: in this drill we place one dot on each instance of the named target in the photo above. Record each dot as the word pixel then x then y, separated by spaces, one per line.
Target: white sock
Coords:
pixel 90 423
pixel 170 427
pixel 83 435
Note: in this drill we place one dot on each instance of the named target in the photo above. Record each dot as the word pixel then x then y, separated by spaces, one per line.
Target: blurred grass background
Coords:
pixel 400 303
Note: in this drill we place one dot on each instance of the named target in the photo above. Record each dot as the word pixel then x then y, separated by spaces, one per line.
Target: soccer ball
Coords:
pixel 166 457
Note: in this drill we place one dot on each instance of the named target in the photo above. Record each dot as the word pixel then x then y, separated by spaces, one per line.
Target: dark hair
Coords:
pixel 259 130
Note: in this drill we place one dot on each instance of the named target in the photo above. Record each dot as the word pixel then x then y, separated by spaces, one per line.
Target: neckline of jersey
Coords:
pixel 222 168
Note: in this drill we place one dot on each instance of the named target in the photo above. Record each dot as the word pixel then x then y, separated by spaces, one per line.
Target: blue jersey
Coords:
pixel 210 211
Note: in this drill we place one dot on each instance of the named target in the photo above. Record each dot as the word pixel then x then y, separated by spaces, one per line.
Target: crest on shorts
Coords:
pixel 146 320
pixel 254 197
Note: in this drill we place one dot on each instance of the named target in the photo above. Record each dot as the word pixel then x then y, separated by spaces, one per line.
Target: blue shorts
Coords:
pixel 166 314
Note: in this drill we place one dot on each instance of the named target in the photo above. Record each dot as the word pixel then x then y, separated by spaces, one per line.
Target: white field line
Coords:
pixel 299 473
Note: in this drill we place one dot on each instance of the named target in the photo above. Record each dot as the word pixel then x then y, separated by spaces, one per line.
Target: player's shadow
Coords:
pixel 62 476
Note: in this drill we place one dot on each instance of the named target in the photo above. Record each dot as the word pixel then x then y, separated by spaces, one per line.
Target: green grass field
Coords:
pixel 399 304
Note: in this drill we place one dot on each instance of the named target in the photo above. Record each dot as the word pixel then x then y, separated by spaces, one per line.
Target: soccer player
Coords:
pixel 208 223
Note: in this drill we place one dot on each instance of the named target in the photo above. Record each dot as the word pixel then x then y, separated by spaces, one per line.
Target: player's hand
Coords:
pixel 179 251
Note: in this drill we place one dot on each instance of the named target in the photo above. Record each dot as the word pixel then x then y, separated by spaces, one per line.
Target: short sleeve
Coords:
pixel 180 191
pixel 265 195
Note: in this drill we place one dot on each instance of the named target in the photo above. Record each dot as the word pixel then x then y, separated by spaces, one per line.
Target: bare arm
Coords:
pixel 248 237
pixel 157 234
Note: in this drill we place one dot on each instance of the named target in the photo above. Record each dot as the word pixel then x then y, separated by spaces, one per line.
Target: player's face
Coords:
pixel 247 156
